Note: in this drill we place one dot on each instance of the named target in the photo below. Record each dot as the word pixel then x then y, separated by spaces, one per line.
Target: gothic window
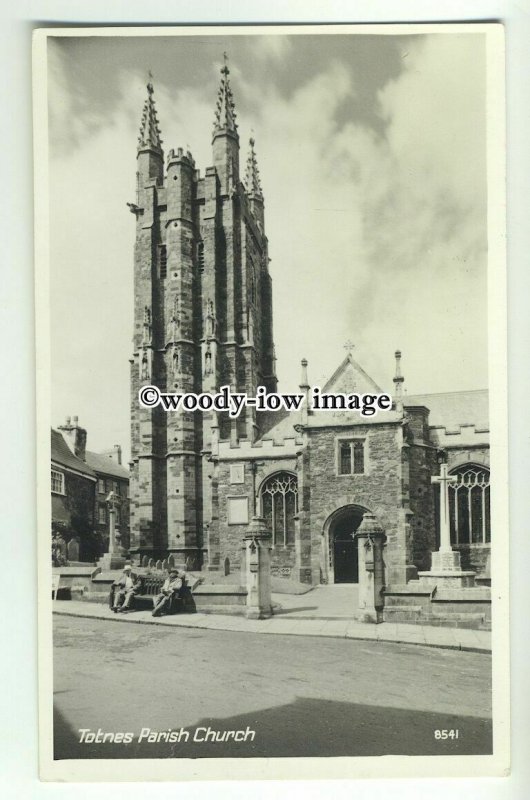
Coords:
pixel 162 260
pixel 279 504
pixel 351 456
pixel 57 482
pixel 469 505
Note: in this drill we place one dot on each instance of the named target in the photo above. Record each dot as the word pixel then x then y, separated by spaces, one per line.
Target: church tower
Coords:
pixel 202 319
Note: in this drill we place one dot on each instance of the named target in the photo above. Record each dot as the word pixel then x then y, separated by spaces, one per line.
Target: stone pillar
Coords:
pixel 114 558
pixel 256 570
pixel 370 540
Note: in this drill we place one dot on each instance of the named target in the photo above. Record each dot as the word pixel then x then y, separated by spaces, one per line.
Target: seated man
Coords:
pixel 170 591
pixel 123 590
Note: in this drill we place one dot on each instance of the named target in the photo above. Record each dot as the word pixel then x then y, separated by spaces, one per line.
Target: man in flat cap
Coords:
pixel 124 589
pixel 169 592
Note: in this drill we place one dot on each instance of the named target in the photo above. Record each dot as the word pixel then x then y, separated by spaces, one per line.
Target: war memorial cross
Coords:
pixel 444 479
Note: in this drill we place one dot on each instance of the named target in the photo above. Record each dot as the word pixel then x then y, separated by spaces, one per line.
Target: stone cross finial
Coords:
pixel 349 346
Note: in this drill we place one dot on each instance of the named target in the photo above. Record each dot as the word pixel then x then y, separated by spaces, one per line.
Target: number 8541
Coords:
pixel 453 733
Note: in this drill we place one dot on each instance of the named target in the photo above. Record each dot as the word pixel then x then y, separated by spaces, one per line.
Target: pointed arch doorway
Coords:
pixel 341 547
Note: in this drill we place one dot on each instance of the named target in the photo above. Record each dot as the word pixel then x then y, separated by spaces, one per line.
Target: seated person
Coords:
pixel 170 591
pixel 124 589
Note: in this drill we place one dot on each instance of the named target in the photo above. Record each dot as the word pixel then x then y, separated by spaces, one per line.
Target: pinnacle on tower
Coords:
pixel 225 112
pixel 398 382
pixel 252 181
pixel 149 136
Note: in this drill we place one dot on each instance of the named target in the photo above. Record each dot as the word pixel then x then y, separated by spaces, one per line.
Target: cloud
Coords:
pixel 387 231
pixel 272 48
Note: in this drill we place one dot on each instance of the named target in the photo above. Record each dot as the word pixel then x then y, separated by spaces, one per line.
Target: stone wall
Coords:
pixel 422 504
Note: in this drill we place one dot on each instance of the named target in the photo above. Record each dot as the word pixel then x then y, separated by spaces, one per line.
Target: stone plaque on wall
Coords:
pixel 238 510
pixel 237 473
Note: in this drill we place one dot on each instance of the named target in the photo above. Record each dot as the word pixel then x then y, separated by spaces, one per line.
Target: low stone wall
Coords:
pixel 427 605
pixel 223 599
pixel 75 581
pixel 93 585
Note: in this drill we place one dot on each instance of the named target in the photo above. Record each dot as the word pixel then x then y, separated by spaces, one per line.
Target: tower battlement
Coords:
pixel 180 157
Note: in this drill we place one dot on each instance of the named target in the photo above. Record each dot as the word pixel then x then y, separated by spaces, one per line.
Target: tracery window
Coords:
pixel 469 505
pixel 279 504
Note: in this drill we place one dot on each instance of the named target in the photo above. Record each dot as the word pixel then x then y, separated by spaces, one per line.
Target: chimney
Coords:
pixel 117 453
pixel 74 436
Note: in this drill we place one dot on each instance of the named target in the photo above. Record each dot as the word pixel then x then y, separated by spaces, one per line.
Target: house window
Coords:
pixel 102 515
pixel 101 486
pixel 57 482
pixel 351 457
pixel 279 504
pixel 469 505
pixel 162 260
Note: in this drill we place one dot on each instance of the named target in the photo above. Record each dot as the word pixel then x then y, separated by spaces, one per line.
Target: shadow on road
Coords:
pixel 306 727
pixel 278 610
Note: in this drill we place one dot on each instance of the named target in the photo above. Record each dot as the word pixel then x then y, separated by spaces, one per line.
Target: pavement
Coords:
pixel 326 611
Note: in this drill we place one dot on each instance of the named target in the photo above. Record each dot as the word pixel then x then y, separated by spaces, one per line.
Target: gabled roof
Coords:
pixel 63 456
pixel 452 409
pixel 350 377
pixel 106 465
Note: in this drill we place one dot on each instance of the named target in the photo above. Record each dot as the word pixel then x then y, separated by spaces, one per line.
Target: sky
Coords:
pixel 372 156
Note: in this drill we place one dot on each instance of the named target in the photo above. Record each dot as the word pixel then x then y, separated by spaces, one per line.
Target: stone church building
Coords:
pixel 203 319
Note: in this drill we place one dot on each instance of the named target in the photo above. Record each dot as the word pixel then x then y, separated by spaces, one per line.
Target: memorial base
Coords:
pixel 111 561
pixel 446 572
